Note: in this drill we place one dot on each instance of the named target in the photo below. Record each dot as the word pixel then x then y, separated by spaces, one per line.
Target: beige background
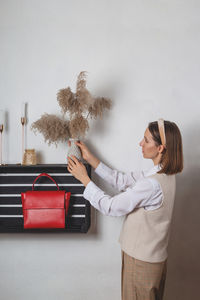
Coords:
pixel 144 55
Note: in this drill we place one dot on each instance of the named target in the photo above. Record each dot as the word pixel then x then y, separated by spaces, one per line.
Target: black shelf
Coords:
pixel 15 179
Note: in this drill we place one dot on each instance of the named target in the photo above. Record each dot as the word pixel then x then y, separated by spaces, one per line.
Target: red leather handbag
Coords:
pixel 45 209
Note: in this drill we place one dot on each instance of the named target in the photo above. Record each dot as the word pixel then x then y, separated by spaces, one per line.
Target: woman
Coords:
pixel 147 198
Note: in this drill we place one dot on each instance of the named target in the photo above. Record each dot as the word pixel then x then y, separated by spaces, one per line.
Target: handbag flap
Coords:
pixel 43 199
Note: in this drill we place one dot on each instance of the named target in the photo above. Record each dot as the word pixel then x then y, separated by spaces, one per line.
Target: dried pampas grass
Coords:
pixel 83 96
pixel 66 100
pixel 77 105
pixel 78 126
pixel 82 101
pixel 53 128
pixel 81 81
pixel 96 110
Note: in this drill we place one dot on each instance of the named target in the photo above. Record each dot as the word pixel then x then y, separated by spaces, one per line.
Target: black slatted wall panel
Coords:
pixel 15 179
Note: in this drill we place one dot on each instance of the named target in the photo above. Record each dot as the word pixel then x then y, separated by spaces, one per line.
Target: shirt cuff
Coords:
pixel 91 190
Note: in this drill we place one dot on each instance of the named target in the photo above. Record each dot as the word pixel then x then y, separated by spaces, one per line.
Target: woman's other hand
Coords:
pixel 78 170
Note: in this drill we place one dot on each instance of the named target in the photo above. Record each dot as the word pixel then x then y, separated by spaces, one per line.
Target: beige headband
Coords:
pixel 161 128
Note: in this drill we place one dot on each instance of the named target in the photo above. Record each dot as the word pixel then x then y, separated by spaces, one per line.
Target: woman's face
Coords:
pixel 149 147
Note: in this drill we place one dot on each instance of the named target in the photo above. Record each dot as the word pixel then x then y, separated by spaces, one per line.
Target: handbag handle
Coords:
pixel 44 174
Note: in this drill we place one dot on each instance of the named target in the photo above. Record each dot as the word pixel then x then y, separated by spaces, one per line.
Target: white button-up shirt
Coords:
pixel 136 189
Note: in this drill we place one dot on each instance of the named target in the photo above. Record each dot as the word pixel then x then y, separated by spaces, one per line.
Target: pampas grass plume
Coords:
pixel 78 127
pixel 55 129
pixel 52 127
pixel 100 104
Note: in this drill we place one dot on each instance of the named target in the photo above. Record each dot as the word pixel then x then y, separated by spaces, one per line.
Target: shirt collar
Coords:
pixel 153 170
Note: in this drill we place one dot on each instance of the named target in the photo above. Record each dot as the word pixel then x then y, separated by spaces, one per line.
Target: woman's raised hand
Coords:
pixel 87 155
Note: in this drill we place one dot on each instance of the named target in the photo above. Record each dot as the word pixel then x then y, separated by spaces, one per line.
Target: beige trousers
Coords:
pixel 142 280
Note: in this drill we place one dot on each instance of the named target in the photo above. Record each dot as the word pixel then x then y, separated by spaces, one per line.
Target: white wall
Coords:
pixel 144 55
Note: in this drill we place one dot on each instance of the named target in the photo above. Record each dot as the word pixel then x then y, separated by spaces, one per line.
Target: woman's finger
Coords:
pixel 70 166
pixel 80 144
pixel 75 159
pixel 71 160
pixel 69 169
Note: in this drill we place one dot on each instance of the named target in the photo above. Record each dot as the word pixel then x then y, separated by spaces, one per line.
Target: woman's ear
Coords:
pixel 161 149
